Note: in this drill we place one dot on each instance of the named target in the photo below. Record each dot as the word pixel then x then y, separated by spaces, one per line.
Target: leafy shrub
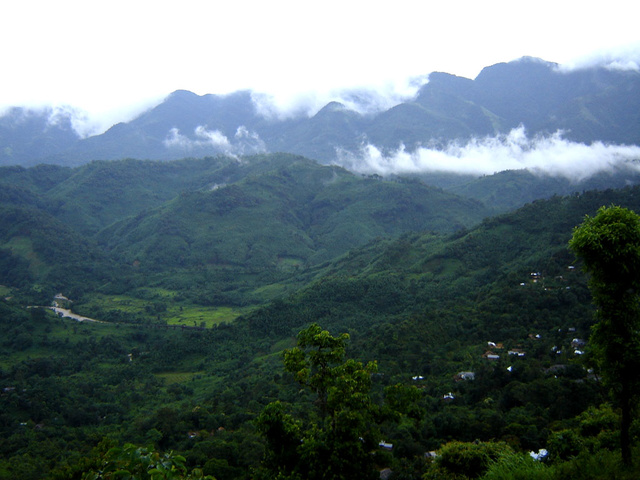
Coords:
pixel 600 465
pixel 518 467
pixel 564 444
pixel 131 462
pixel 470 459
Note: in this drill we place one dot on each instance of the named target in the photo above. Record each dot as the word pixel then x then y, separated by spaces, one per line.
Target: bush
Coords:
pixel 470 459
pixel 564 444
pixel 518 467
pixel 600 465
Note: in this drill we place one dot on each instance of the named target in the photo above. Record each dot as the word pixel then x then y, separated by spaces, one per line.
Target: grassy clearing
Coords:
pixel 201 316
pixel 172 313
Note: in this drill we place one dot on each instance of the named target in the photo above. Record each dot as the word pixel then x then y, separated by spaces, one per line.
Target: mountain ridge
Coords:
pixel 592 104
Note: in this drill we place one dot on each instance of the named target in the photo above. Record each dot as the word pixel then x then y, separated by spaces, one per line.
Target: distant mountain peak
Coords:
pixel 333 107
pixel 182 94
pixel 524 67
pixel 537 60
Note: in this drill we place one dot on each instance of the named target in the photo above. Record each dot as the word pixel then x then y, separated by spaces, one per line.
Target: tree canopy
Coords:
pixel 609 245
pixel 338 440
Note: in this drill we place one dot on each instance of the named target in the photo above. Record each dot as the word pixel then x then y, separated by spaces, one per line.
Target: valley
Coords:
pixel 188 350
pixel 226 311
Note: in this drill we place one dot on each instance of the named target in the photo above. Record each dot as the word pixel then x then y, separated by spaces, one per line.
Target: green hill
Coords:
pixel 203 290
pixel 53 255
pixel 232 225
pixel 302 211
pixel 284 215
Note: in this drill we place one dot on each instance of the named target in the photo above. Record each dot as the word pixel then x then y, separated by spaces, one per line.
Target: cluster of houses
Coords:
pixel 490 355
pixel 577 345
pixel 537 277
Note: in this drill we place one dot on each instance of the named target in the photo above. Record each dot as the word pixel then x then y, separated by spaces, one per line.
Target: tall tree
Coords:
pixel 609 245
pixel 340 435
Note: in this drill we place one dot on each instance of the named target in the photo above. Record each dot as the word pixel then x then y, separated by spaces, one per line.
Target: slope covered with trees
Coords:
pixel 476 333
pixel 216 229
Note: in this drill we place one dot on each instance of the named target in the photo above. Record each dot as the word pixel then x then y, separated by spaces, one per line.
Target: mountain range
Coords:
pixel 588 105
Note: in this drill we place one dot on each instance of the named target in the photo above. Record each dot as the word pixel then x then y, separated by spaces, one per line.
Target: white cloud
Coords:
pixel 87 123
pixel 364 99
pixel 215 138
pixel 204 138
pixel 546 155
pixel 245 141
pixel 621 57
pixel 297 54
pixel 175 139
pixel 248 142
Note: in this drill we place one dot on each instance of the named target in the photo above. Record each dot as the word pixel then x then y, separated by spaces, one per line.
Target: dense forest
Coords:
pixel 270 317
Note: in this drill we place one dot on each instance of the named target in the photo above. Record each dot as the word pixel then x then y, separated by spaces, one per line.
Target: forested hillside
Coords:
pixel 230 231
pixel 203 272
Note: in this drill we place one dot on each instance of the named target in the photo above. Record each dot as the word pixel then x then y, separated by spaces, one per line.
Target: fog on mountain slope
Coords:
pixel 545 155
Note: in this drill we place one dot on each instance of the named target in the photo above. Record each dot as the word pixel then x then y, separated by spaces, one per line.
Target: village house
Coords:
pixel 577 343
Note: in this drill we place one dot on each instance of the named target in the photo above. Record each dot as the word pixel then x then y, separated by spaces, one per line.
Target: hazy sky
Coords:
pixel 112 57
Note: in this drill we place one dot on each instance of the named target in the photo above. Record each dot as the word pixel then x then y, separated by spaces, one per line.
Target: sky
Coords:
pixel 112 59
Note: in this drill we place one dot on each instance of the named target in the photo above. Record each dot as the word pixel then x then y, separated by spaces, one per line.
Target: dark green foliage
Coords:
pixel 337 441
pixel 609 245
pixel 14 270
pixel 282 434
pixel 138 463
pixel 511 189
pixel 297 211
